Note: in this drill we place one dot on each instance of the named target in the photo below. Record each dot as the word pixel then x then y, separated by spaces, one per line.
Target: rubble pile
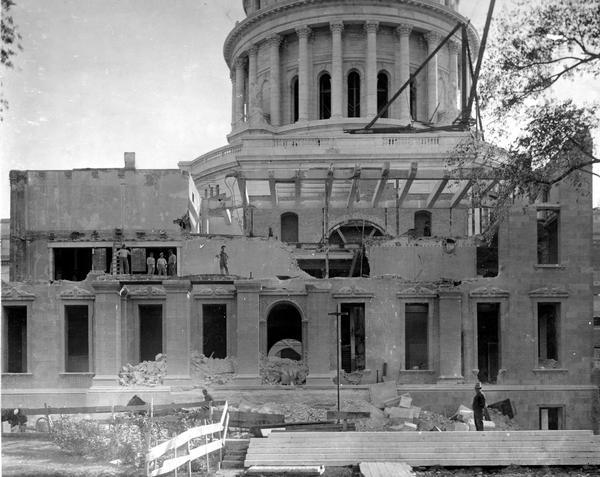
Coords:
pixel 146 373
pixel 209 370
pixel 274 370
pixel 503 423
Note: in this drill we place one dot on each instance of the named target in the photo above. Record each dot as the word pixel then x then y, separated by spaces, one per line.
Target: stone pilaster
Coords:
pixel 450 333
pixel 371 28
pixel 433 40
pixel 240 66
pixel 107 330
pixel 248 317
pixel 303 73
pixel 402 74
pixel 254 109
pixel 177 327
pixel 233 93
pixel 319 338
pixel 274 80
pixel 337 75
pixel 453 77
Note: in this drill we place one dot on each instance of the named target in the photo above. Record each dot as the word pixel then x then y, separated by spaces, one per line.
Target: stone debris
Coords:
pixel 206 370
pixel 146 373
pixel 274 370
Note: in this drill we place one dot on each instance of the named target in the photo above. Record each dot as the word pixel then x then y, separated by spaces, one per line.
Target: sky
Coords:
pixel 97 78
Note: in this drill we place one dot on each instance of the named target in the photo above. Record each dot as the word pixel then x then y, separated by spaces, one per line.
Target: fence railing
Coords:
pixel 182 443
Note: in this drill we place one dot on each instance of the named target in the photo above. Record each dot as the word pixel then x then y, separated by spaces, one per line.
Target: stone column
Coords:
pixel 274 80
pixel 177 327
pixel 450 335
pixel 371 67
pixel 319 340
pixel 253 106
pixel 303 78
pixel 453 79
pixel 233 99
pixel 402 106
pixel 337 74
pixel 240 64
pixel 107 330
pixel 433 39
pixel 248 317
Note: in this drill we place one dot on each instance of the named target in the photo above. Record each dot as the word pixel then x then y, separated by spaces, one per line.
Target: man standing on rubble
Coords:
pixel 479 408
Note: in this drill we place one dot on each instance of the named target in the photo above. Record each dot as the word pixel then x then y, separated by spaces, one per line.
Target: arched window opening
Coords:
pixel 289 227
pixel 352 235
pixel 295 103
pixel 353 95
pixel 325 96
pixel 382 93
pixel 284 332
pixel 423 223
pixel 413 100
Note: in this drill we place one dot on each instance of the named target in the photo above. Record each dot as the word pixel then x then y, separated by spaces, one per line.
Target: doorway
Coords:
pixel 214 330
pixel 284 329
pixel 352 336
pixel 151 331
pixel 488 341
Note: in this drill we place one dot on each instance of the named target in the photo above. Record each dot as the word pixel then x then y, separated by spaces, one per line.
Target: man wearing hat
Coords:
pixel 479 407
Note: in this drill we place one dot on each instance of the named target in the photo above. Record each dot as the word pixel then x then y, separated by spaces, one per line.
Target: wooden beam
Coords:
pixel 409 180
pixel 353 188
pixel 241 180
pixel 329 184
pixel 381 183
pixel 339 232
pixel 436 192
pixel 486 190
pixel 460 193
pixel 273 189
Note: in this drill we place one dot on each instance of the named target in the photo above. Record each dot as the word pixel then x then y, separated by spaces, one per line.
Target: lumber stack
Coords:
pixel 427 448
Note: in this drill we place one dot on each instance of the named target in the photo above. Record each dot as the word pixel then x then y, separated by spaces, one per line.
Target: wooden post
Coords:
pixel 206 442
pixel 175 450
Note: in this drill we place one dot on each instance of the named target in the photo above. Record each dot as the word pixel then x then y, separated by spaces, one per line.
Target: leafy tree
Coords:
pixel 535 47
pixel 10 39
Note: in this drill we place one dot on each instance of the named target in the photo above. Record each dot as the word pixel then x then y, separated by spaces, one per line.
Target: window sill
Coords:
pixel 429 371
pixel 77 373
pixel 550 370
pixel 17 374
pixel 549 266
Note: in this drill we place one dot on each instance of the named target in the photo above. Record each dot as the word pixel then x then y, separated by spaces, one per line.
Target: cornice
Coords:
pixel 244 25
pixel 16 293
pixel 489 292
pixel 549 292
pixel 417 292
pixel 77 293
pixel 209 292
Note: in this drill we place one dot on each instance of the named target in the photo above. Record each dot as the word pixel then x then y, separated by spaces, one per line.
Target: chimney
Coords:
pixel 129 160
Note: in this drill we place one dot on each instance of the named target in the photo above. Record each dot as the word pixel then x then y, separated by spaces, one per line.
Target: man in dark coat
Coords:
pixel 479 408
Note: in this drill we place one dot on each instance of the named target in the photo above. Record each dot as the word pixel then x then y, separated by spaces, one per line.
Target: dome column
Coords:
pixel 336 69
pixel 303 34
pixel 253 106
pixel 433 40
pixel 453 73
pixel 240 64
pixel 371 67
pixel 274 80
pixel 402 74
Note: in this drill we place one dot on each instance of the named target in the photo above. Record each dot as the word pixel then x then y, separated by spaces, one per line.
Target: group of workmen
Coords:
pixel 166 266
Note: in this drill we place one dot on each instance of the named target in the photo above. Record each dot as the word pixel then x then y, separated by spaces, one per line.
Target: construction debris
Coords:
pixel 207 370
pixel 146 373
pixel 274 370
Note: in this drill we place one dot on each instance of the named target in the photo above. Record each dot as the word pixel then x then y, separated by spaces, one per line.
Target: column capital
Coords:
pixel 336 26
pixel 432 38
pixel 453 47
pixel 303 32
pixel 253 51
pixel 274 40
pixel 240 61
pixel 404 29
pixel 371 26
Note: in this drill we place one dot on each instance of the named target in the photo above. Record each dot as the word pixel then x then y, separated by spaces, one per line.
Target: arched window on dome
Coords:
pixel 294 99
pixel 423 223
pixel 325 96
pixel 382 92
pixel 413 100
pixel 354 95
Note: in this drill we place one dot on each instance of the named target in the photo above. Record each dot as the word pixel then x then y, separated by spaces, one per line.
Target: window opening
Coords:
pixel 413 100
pixel 488 341
pixel 325 97
pixel 75 263
pixel 353 95
pixel 77 339
pixel 487 258
pixel 548 316
pixel 597 357
pixel 284 332
pixel 151 334
pixel 214 330
pixel 423 223
pixel 415 332
pixel 15 339
pixel 551 418
pixel 295 100
pixel 382 93
pixel 352 336
pixel 547 236
pixel 289 227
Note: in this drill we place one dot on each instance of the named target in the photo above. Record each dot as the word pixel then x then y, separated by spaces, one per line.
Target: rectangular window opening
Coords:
pixel 14 342
pixel 77 339
pixel 551 418
pixel 548 339
pixel 151 331
pixel 352 336
pixel 547 236
pixel 214 330
pixel 415 332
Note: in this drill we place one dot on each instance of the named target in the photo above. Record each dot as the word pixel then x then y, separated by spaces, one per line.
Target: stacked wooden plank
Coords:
pixel 494 448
